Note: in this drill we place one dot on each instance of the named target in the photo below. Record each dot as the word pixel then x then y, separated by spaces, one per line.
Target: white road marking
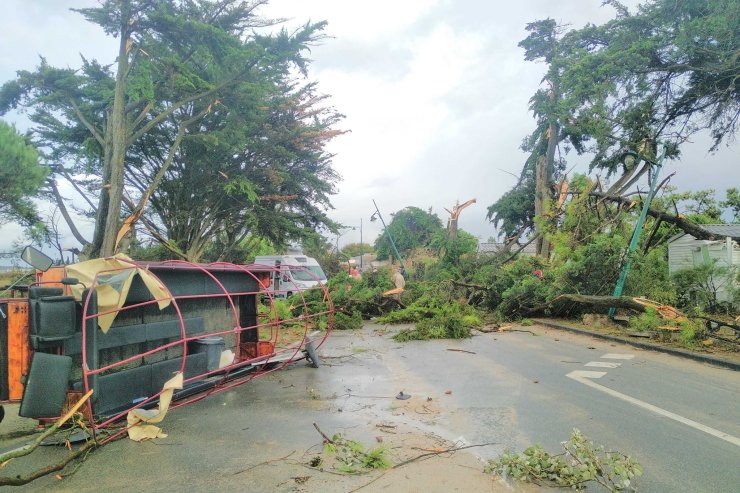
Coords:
pixel 585 376
pixel 618 356
pixel 603 364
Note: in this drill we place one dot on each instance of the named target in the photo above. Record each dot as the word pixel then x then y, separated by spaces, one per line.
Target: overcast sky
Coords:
pixel 435 94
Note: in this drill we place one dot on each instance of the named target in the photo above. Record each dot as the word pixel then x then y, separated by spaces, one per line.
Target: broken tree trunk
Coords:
pixel 454 216
pixel 604 302
pixel 694 230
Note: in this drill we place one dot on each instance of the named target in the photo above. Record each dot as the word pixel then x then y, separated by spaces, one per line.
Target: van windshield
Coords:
pixel 312 273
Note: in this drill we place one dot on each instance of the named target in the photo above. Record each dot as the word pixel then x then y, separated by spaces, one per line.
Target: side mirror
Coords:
pixel 36 258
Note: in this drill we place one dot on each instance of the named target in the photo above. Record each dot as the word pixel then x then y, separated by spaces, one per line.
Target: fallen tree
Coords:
pixel 693 229
pixel 602 302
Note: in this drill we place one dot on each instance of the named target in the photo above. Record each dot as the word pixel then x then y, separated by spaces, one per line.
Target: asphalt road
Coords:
pixel 679 418
pixel 515 390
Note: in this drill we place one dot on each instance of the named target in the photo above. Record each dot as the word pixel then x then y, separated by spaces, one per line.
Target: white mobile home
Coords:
pixel 687 252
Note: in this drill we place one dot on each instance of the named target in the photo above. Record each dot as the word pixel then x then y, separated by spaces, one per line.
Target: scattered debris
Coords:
pixel 448 392
pixel 350 456
pixel 80 453
pixel 402 397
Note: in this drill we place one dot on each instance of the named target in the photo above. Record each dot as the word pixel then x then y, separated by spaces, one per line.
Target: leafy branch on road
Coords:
pixel 581 463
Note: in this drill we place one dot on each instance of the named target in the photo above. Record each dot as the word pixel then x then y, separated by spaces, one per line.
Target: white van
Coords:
pixel 296 273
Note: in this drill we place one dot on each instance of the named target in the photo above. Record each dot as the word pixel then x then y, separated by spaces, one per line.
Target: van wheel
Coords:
pixel 288 295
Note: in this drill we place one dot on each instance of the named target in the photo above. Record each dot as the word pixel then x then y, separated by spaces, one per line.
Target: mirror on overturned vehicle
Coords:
pixel 36 258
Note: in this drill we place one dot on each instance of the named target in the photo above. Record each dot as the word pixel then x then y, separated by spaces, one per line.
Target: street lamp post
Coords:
pixel 638 227
pixel 385 228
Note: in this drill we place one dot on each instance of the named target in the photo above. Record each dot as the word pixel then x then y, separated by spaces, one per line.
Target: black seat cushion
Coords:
pixel 46 386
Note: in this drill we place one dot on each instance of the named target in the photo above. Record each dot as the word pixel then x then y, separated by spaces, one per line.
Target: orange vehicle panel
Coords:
pixel 53 276
pixel 19 354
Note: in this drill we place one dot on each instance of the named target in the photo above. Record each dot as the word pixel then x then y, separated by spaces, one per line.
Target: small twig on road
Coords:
pixel 264 463
pixel 449 450
pixel 368 396
pixel 409 461
pixel 460 350
pixel 326 438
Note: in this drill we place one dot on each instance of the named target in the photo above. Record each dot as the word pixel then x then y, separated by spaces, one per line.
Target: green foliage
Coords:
pixel 351 457
pixel 342 321
pixel 699 287
pixel 662 72
pixel 316 246
pixel 515 208
pixel 152 252
pixel 512 288
pixel 582 463
pixel 648 321
pixel 648 276
pixel 453 250
pixel 691 332
pixel 732 202
pixel 352 298
pixel 593 267
pixel 357 249
pixel 411 228
pixel 21 176
pixel 434 318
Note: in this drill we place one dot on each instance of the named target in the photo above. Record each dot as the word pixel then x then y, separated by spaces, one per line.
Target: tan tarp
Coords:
pixel 141 421
pixel 112 287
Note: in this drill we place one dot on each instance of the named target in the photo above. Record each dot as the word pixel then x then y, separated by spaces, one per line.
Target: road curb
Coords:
pixel 703 358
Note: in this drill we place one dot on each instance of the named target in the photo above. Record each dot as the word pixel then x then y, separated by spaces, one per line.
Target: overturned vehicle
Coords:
pixel 139 333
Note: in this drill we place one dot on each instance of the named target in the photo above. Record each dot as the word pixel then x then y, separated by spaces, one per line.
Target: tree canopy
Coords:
pixel 646 79
pixel 356 249
pixel 192 80
pixel 21 176
pixel 411 228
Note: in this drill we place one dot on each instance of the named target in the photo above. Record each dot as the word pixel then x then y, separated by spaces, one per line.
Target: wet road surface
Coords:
pixel 510 390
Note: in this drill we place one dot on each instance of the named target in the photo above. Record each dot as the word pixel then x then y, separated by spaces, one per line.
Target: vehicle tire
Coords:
pixel 288 295
pixel 312 356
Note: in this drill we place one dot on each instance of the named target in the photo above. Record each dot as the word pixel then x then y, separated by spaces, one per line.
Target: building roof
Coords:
pixel 722 229
pixel 732 230
pixel 491 248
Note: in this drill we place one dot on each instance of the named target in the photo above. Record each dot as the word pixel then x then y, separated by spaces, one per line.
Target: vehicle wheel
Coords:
pixel 312 356
pixel 288 295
